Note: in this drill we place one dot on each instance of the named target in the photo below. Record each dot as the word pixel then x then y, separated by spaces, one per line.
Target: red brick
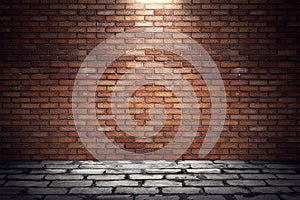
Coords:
pixel 255 50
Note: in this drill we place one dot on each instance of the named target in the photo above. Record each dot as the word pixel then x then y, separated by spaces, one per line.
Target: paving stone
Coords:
pixel 209 197
pixel 290 197
pixel 283 182
pixel 115 197
pixel 270 190
pixel 11 171
pixel 47 191
pixel 106 177
pixel 171 165
pixel 241 171
pixel 279 171
pixel 139 166
pixel 63 177
pixel 259 161
pixel 56 162
pixel 157 197
pixel 161 183
pixel 136 190
pixel 145 176
pixel 96 166
pixel 230 161
pixel 123 171
pixel 7 197
pixel 87 171
pixel 203 183
pixel 245 166
pixel 72 166
pixel 26 177
pixel 22 162
pixel 258 176
pixel 182 190
pixel 205 171
pixel 63 197
pixel 282 166
pixel 206 166
pixel 81 183
pixel 89 162
pixel 159 171
pixel 259 197
pixel 116 183
pixel 49 171
pixel 20 197
pixel 246 182
pixel 150 180
pixel 182 176
pixel 194 161
pixel 221 176
pixel 117 162
pixel 93 190
pixel 288 176
pixel 31 197
pixel 157 162
pixel 297 189
pixel 27 183
pixel 2 182
pixel 225 190
pixel 26 166
pixel 10 190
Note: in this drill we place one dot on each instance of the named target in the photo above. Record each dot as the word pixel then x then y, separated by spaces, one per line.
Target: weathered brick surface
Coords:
pixel 255 45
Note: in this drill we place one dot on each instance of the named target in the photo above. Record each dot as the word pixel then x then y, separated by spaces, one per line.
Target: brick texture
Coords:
pixel 255 45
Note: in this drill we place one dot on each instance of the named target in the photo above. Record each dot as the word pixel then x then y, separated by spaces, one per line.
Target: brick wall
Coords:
pixel 254 44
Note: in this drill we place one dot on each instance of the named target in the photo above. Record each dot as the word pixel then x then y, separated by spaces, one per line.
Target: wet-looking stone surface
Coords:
pixel 191 180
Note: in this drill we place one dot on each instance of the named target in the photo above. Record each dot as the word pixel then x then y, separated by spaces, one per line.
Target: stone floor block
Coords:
pixel 150 180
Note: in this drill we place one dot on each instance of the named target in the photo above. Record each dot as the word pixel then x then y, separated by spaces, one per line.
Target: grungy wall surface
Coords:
pixel 253 43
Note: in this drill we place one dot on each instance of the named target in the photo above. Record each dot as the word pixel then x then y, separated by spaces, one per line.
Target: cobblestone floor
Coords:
pixel 191 180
